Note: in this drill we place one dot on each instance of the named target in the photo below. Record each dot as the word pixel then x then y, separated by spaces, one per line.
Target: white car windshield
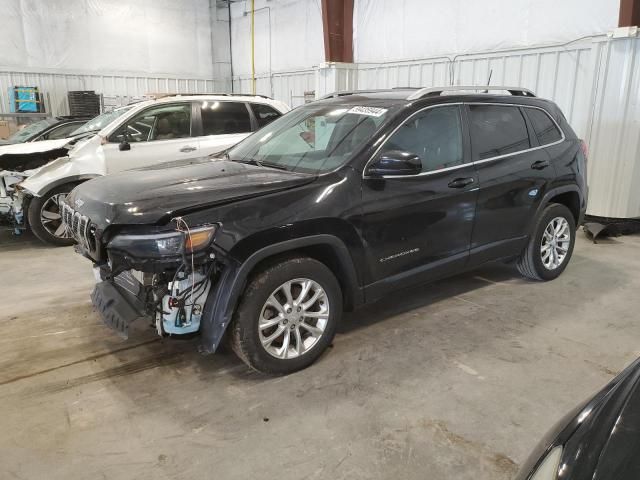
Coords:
pixel 101 121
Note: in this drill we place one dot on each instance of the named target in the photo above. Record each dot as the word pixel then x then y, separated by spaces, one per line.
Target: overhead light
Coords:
pixel 215 105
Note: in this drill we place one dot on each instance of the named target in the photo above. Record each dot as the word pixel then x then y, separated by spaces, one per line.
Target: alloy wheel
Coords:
pixel 51 216
pixel 555 243
pixel 294 318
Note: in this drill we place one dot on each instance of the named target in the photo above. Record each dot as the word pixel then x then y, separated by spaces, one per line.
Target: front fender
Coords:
pixel 58 172
pixel 224 297
pixel 85 161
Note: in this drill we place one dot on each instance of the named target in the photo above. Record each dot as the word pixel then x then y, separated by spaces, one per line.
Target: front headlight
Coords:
pixel 548 469
pixel 164 244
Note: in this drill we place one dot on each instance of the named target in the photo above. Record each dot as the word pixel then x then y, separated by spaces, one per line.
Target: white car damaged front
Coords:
pixel 34 177
pixel 18 162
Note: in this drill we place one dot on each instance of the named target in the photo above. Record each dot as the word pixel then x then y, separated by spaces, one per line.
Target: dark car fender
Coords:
pixel 552 193
pixel 223 298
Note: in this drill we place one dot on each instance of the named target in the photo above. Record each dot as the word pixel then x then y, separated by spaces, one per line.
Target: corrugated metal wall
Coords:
pixel 562 73
pixel 614 136
pixel 288 87
pixel 56 85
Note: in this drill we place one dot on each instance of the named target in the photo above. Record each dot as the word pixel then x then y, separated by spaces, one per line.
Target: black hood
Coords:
pixel 601 437
pixel 154 195
pixel 19 162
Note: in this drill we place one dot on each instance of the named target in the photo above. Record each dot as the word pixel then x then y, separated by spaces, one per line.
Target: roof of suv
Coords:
pixel 434 95
pixel 415 93
pixel 217 97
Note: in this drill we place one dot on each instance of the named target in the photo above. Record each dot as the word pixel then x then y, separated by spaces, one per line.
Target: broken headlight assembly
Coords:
pixel 164 244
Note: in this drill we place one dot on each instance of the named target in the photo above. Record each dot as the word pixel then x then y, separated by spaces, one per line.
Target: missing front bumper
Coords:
pixel 117 307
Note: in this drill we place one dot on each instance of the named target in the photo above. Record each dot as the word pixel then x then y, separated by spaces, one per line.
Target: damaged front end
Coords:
pixel 12 201
pixel 166 275
pixel 17 163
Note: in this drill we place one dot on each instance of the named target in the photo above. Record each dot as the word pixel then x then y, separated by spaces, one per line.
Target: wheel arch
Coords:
pixel 63 181
pixel 223 299
pixel 568 195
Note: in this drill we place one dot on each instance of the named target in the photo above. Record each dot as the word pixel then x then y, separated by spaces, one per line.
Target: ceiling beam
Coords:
pixel 337 26
pixel 629 13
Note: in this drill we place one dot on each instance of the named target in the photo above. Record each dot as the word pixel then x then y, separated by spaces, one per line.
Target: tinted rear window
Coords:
pixel 545 129
pixel 220 118
pixel 497 130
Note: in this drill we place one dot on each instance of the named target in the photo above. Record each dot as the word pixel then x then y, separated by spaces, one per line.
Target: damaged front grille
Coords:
pixel 80 228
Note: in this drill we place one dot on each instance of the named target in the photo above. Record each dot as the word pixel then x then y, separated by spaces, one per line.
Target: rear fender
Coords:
pixel 548 196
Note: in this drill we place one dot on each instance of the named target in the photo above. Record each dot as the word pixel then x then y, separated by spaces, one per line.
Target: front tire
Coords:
pixel 45 219
pixel 550 246
pixel 287 316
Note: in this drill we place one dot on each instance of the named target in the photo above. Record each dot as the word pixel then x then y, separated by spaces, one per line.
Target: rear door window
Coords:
pixel 544 127
pixel 264 113
pixel 222 118
pixel 497 130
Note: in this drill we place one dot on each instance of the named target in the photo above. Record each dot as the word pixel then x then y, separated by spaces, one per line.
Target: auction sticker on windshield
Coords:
pixel 371 111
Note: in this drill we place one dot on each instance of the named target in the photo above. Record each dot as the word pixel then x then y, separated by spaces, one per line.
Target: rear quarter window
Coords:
pixel 264 114
pixel 497 130
pixel 544 127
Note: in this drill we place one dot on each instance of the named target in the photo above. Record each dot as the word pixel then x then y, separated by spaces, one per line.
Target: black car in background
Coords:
pixel 335 204
pixel 52 128
pixel 598 440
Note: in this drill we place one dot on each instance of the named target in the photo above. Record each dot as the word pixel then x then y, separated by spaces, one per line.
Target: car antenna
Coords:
pixel 489 80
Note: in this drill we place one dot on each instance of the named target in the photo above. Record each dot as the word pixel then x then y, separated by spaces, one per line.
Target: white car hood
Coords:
pixel 33 147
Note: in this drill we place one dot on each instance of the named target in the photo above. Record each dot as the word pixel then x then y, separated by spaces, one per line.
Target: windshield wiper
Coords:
pixel 272 165
pixel 259 163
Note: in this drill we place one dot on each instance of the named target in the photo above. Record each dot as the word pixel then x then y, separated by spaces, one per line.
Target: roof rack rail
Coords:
pixel 226 94
pixel 347 92
pixel 435 91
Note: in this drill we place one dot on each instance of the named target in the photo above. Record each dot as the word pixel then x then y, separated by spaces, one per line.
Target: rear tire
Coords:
pixel 276 332
pixel 551 244
pixel 44 217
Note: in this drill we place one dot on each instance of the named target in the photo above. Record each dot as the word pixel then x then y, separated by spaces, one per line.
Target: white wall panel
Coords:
pixel 107 36
pixel 614 137
pixel 288 35
pixel 409 29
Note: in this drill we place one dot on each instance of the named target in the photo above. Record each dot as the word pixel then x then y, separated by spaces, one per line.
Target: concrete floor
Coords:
pixel 454 380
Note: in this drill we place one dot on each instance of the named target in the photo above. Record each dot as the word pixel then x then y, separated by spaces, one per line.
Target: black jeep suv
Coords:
pixel 335 204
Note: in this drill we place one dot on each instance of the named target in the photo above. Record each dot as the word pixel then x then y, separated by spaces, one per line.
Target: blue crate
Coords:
pixel 24 99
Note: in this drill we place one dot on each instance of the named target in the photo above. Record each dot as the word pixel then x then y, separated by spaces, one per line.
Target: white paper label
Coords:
pixel 370 111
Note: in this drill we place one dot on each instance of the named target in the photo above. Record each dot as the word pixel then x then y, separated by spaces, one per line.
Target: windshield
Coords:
pixel 312 138
pixel 30 130
pixel 99 122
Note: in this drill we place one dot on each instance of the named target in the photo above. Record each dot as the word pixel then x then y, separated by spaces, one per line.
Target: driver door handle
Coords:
pixel 540 164
pixel 187 149
pixel 461 182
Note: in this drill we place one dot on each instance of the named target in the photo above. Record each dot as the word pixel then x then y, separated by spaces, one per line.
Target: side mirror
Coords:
pixel 124 145
pixel 395 162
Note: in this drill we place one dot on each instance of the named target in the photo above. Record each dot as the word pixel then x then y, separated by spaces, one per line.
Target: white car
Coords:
pixel 151 132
